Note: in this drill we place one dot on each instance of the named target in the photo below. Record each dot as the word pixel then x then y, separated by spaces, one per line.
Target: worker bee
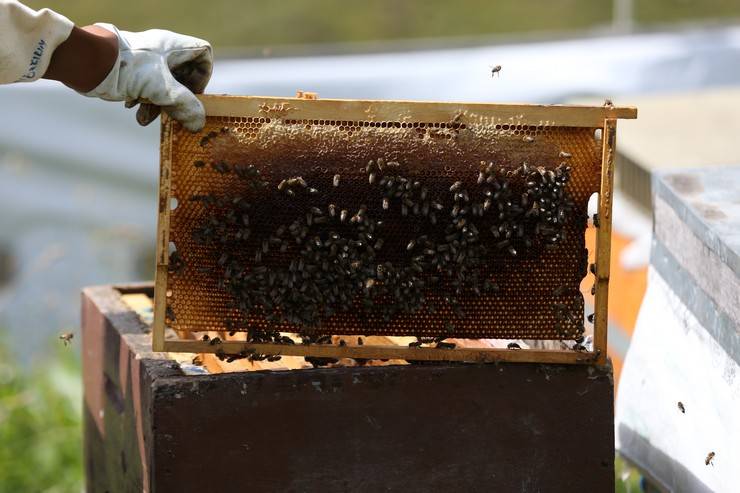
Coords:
pixel 513 345
pixel 681 407
pixel 445 345
pixel 528 138
pixel 564 154
pixel 66 338
pixel 199 164
pixel 710 457
pixel 335 180
pixel 415 344
pixel 495 69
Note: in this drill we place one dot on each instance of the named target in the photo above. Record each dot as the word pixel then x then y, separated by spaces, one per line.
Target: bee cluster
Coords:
pixel 332 258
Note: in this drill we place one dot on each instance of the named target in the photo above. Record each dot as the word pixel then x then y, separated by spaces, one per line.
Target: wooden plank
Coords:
pixel 380 111
pixel 603 240
pixel 163 235
pixel 477 355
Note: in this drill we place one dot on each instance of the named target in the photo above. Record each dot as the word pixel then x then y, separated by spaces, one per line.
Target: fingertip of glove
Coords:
pixel 195 124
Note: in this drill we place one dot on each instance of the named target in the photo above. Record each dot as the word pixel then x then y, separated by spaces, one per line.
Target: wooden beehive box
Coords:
pixel 289 220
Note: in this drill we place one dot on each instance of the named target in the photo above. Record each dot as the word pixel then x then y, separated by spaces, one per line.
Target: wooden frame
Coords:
pixel 501 114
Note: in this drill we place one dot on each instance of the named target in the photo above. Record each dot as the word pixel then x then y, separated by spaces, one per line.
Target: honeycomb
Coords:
pixel 435 153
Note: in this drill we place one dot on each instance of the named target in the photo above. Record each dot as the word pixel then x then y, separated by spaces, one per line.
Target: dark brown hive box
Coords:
pixel 152 425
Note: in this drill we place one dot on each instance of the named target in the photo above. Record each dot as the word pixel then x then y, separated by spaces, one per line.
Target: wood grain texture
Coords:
pixel 346 109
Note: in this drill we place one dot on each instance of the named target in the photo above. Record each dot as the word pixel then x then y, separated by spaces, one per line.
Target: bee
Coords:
pixel 360 342
pixel 66 338
pixel 591 320
pixel 415 344
pixel 596 220
pixel 513 345
pixel 335 180
pixel 681 407
pixel 445 345
pixel 564 154
pixel 221 167
pixel 214 341
pixel 608 103
pixel 528 138
pixel 709 458
pixel 199 164
pixel 495 70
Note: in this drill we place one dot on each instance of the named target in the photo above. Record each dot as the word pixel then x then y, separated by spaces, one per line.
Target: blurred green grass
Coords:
pixel 250 23
pixel 40 424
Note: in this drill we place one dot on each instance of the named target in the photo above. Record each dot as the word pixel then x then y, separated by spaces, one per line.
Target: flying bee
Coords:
pixel 681 407
pixel 709 458
pixel 608 103
pixel 66 338
pixel 495 69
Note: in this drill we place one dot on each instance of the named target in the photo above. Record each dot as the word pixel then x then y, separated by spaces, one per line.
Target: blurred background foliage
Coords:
pixel 263 24
pixel 40 423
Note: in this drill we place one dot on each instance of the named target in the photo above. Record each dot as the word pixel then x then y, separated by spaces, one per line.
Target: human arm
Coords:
pixel 159 68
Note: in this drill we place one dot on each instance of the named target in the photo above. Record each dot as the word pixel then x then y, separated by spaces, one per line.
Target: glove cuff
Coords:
pixel 109 89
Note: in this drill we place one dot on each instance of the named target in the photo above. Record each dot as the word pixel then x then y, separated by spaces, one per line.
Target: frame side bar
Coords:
pixel 603 240
pixel 163 235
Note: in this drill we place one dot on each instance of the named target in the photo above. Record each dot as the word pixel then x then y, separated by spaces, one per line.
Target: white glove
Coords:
pixel 161 70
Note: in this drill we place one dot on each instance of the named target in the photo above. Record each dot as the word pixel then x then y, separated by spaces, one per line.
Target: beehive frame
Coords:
pixel 302 108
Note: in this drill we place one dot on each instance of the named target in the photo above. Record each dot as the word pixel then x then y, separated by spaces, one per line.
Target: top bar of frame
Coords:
pixel 379 111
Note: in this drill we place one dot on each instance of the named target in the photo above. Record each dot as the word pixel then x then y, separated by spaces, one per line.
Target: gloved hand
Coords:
pixel 161 70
